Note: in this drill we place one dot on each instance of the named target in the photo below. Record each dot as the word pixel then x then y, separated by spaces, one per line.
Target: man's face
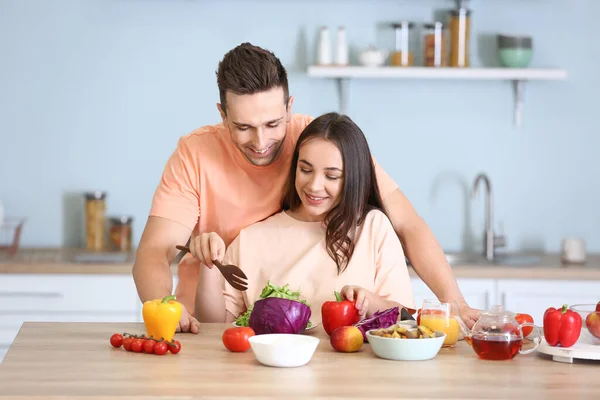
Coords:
pixel 257 123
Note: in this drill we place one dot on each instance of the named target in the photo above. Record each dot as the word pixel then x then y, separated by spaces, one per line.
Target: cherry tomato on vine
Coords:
pixel 127 343
pixel 116 340
pixel 160 348
pixel 174 347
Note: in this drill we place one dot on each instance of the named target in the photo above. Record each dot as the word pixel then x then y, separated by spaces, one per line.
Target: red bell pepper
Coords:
pixel 562 326
pixel 335 314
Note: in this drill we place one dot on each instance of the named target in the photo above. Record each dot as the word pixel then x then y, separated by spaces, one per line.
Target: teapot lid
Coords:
pixel 497 311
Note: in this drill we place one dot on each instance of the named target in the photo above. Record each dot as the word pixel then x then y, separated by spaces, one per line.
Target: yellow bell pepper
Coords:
pixel 161 317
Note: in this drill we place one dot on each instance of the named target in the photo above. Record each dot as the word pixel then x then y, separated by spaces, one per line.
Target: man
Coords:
pixel 224 177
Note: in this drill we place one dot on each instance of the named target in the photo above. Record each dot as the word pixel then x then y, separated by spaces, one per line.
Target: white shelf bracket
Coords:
pixel 343 93
pixel 519 94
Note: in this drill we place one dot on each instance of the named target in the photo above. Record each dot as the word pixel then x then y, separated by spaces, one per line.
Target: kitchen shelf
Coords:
pixel 518 76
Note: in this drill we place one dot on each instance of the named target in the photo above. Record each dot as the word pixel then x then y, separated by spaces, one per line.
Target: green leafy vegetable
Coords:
pixel 272 290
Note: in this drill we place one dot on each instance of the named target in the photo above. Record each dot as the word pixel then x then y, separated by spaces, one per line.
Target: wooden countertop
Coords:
pixel 64 261
pixel 75 359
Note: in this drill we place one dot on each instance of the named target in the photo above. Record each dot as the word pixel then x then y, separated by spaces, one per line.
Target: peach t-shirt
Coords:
pixel 208 182
pixel 287 251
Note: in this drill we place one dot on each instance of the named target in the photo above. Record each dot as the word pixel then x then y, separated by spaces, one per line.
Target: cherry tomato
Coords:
pixel 116 340
pixel 236 339
pixel 137 345
pixel 160 348
pixel 174 347
pixel 521 319
pixel 127 343
pixel 149 346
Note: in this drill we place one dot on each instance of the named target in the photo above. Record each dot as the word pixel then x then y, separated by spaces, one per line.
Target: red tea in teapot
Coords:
pixel 496 347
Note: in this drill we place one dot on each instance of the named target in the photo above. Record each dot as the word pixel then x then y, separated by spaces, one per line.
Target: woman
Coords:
pixel 332 235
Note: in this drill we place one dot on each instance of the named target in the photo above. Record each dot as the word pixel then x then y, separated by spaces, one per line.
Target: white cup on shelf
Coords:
pixel 573 251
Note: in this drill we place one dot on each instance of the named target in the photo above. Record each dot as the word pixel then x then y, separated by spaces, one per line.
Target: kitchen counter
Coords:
pixel 75 359
pixel 68 261
pixel 64 261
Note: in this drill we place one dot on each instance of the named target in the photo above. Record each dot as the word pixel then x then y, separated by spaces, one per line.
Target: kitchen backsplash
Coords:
pixel 95 95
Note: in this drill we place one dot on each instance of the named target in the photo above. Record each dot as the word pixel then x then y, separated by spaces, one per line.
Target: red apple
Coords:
pixel 592 322
pixel 598 306
pixel 347 339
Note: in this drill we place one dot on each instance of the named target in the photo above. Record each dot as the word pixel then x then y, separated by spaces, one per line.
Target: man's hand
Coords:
pixel 469 315
pixel 207 247
pixel 187 323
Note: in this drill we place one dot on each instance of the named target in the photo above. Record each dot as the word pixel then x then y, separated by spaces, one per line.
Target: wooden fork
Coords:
pixel 232 274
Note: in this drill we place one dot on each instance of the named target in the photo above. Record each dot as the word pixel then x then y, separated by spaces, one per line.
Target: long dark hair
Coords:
pixel 360 192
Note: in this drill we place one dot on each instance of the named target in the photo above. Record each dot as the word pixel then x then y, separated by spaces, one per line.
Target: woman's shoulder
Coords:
pixel 377 223
pixel 377 217
pixel 273 220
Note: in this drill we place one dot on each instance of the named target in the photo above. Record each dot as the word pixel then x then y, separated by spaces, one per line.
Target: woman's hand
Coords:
pixel 207 247
pixel 362 297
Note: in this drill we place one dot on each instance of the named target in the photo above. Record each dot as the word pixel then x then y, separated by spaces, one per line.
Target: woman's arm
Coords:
pixel 215 298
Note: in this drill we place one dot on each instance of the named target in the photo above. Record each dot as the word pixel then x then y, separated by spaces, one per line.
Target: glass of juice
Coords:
pixel 441 316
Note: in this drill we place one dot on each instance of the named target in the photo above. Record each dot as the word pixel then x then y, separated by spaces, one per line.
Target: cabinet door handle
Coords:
pixel 503 299
pixel 487 300
pixel 32 294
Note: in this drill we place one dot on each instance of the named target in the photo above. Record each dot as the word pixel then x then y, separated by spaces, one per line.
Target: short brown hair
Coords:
pixel 249 69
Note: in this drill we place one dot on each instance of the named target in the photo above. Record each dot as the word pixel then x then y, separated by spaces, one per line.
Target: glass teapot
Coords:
pixel 498 336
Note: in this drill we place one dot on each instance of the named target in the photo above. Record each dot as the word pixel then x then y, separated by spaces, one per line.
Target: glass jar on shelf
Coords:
pixel 460 37
pixel 95 231
pixel 403 55
pixel 435 45
pixel 120 233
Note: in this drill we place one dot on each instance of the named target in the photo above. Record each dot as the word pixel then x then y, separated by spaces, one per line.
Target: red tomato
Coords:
pixel 174 347
pixel 419 317
pixel 137 345
pixel 236 339
pixel 521 319
pixel 149 346
pixel 160 348
pixel 116 340
pixel 127 343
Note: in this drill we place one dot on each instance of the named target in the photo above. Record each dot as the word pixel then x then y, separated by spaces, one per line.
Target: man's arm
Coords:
pixel 151 270
pixel 425 253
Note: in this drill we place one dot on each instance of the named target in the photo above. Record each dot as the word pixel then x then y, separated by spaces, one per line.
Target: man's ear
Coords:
pixel 289 108
pixel 222 112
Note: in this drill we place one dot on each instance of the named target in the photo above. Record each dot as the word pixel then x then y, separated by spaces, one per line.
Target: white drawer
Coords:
pixel 40 293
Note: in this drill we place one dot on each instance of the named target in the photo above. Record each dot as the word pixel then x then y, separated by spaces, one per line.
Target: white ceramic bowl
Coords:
pixel 406 349
pixel 282 349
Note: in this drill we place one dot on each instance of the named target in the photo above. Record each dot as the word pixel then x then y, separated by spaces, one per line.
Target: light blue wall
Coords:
pixel 94 94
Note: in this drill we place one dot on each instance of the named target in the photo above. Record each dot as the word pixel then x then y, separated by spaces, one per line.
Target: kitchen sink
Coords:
pixel 500 259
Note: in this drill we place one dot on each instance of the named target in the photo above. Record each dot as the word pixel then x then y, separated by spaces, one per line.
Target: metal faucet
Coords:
pixel 490 240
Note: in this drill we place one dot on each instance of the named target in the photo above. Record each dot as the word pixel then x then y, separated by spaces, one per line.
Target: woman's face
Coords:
pixel 319 178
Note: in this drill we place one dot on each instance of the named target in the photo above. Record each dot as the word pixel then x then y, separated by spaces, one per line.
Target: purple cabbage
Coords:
pixel 277 315
pixel 380 319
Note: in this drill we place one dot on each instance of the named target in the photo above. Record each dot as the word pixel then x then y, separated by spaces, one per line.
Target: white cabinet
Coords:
pixel 535 296
pixel 64 298
pixel 531 296
pixel 478 293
